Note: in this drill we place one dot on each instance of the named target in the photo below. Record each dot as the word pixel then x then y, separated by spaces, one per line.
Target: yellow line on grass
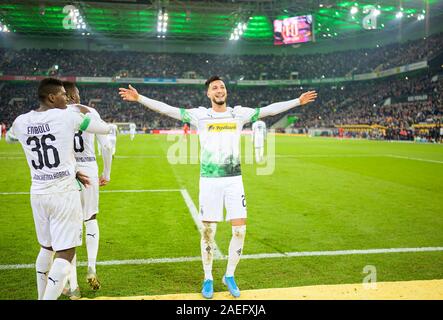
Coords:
pixel 398 290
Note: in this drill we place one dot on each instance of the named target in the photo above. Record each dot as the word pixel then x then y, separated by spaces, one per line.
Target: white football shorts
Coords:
pixel 222 192
pixel 58 219
pixel 89 197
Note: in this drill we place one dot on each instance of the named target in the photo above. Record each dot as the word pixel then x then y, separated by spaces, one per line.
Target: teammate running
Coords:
pixel 221 183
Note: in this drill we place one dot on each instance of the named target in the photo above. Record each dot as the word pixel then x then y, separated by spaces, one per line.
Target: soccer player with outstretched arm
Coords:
pixel 221 184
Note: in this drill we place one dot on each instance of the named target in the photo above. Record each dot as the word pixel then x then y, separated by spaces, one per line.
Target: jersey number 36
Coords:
pixel 42 150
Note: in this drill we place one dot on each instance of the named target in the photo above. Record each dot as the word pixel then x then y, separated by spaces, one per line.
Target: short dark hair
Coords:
pixel 69 86
pixel 212 79
pixel 48 86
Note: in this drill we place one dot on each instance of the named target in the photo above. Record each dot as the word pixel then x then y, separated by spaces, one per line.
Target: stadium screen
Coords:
pixel 293 30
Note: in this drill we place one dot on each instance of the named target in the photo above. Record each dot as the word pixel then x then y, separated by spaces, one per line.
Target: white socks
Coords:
pixel 56 279
pixel 235 248
pixel 73 284
pixel 207 245
pixel 42 267
pixel 92 238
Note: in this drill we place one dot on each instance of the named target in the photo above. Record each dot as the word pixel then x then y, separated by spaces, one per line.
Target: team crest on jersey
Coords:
pixel 219 127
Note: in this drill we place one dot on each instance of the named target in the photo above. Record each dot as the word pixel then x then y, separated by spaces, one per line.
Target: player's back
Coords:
pixel 84 146
pixel 47 139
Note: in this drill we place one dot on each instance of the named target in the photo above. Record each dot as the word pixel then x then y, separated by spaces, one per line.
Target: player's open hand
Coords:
pixel 102 181
pixel 83 178
pixel 308 97
pixel 128 94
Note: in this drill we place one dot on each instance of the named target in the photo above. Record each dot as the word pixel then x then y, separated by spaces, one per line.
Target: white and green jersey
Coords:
pixel 47 139
pixel 219 134
pixel 84 148
pixel 219 131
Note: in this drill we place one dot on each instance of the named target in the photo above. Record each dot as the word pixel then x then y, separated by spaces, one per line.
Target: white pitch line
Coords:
pixel 188 200
pixel 10 158
pixel 244 257
pixel 143 190
pixel 194 213
pixel 416 159
pixel 110 191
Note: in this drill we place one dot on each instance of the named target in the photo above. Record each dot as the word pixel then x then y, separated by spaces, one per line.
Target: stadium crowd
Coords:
pixel 377 102
pixel 232 67
pixel 396 102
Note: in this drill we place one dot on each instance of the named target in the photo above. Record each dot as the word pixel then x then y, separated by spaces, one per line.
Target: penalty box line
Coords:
pixel 244 257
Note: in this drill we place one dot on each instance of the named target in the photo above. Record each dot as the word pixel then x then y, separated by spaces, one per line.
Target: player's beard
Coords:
pixel 219 102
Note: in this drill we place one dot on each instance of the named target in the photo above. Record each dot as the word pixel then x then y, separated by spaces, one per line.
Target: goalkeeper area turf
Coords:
pixel 332 212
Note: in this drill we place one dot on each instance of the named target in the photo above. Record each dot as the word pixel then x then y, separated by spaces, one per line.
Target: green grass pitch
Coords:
pixel 324 195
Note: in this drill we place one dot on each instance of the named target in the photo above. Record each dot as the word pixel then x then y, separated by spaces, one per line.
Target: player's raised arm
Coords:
pixel 131 94
pixel 283 106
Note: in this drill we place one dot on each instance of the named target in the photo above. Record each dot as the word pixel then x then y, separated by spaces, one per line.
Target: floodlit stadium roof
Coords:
pixel 205 19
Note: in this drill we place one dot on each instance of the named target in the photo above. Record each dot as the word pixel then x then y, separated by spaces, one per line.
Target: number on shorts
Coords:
pixel 243 201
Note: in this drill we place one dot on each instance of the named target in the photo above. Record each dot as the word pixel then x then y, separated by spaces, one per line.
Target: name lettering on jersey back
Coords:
pixel 39 129
pixel 56 175
pixel 219 127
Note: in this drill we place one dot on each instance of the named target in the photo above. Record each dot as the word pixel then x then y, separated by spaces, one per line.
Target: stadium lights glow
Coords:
pixel 420 17
pixel 77 19
pixel 162 23
pixel 238 31
pixel 399 15
pixel 4 28
pixel 354 10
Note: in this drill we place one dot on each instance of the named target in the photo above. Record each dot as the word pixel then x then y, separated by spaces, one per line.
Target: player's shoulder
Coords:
pixel 22 117
pixel 240 110
pixel 199 111
pixel 75 107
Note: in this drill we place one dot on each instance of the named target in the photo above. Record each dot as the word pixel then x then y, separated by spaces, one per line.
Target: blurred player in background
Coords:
pixel 258 138
pixel 84 148
pixel 132 128
pixel 185 129
pixel 112 138
pixel 221 182
pixel 3 130
pixel 47 138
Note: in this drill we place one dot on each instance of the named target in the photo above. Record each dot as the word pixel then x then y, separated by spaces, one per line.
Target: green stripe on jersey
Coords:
pixel 185 115
pixel 85 123
pixel 255 115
